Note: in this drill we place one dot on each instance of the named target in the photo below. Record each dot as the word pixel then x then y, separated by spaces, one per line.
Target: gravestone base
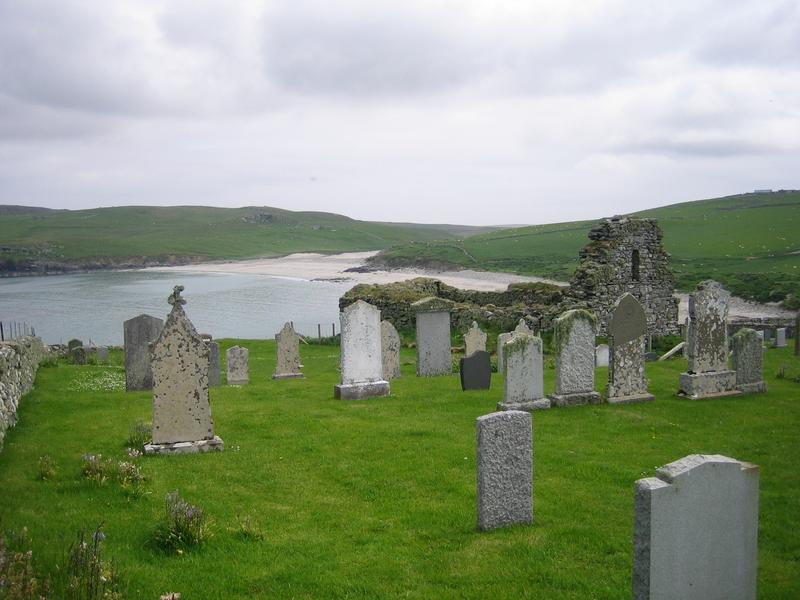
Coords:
pixel 360 391
pixel 759 387
pixel 575 399
pixel 634 399
pixel 289 376
pixel 714 384
pixel 529 406
pixel 215 444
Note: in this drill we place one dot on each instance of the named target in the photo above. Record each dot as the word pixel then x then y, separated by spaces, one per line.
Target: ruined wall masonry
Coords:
pixel 18 363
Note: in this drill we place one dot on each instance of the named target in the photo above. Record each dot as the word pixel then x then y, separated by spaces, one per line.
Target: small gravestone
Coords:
pixel 748 361
pixel 213 364
pixel 504 469
pixel 77 355
pixel 523 387
pixel 767 335
pixel 433 336
pixel 287 357
pixel 760 334
pixel 360 343
pixel 74 343
pixel 476 371
pixel 573 339
pixel 181 410
pixel 474 340
pixel 138 333
pixel 501 341
pixel 601 355
pixel 708 375
pixel 102 355
pixel 237 365
pixel 627 382
pixel 695 530
pixel 390 351
pixel 780 337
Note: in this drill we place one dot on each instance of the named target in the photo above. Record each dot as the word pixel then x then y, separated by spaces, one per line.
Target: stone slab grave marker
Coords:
pixel 627 382
pixel 181 409
pixel 695 531
pixel 433 336
pixel 237 365
pixel 138 332
pixel 102 354
pixel 287 349
pixel 476 371
pixel 77 356
pixel 504 469
pixel 523 387
pixel 573 338
pixel 213 364
pixel 601 355
pixel 361 364
pixel 390 351
pixel 474 340
pixel 780 337
pixel 708 375
pixel 501 341
pixel 748 361
pixel 74 343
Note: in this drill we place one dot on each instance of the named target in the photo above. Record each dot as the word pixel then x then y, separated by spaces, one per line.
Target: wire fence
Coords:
pixel 12 330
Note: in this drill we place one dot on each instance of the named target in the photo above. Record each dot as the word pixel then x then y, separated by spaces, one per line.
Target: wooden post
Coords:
pixel 319 331
pixel 333 329
pixel 2 333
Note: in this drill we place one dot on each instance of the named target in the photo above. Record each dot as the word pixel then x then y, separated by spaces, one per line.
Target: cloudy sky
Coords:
pixel 468 111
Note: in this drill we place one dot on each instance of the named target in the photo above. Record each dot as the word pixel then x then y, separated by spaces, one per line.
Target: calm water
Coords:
pixel 93 306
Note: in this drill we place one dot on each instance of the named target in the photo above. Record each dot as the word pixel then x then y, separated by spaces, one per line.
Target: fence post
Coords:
pixel 319 331
pixel 333 329
pixel 2 333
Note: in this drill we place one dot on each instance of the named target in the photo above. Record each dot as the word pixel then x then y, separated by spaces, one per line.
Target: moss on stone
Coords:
pixel 562 326
pixel 519 342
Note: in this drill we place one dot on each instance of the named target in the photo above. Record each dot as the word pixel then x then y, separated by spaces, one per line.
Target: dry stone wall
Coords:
pixel 18 363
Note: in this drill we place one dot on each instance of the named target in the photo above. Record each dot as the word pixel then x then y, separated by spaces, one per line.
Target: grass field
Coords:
pixel 376 498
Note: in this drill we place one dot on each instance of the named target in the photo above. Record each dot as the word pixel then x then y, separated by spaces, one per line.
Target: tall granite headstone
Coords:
pixel 695 531
pixel 748 361
pixel 523 387
pixel 390 351
pixel 433 336
pixel 361 365
pixel 138 333
pixel 213 364
pixel 573 337
pixel 474 340
pixel 287 348
pixel 627 382
pixel 237 365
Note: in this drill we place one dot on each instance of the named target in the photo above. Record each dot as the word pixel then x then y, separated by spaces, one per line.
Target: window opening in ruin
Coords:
pixel 635 265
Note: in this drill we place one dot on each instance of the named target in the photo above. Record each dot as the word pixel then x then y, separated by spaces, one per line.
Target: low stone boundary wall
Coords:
pixel 19 361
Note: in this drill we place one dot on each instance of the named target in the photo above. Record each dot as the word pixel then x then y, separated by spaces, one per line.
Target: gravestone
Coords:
pixel 74 343
pixel 181 410
pixel 361 365
pixel 695 532
pixel 474 340
pixel 573 340
pixel 501 341
pixel 523 386
pixel 390 351
pixel 708 375
pixel 237 365
pixel 627 382
pixel 504 469
pixel 601 355
pixel 767 335
pixel 287 348
pixel 138 333
pixel 780 337
pixel 77 355
pixel 476 371
pixel 760 334
pixel 433 336
pixel 102 354
pixel 213 364
pixel 748 361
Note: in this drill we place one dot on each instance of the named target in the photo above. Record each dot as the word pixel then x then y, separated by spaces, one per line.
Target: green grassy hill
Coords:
pixel 749 242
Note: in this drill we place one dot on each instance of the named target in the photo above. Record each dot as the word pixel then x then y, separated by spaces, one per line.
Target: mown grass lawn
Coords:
pixel 376 498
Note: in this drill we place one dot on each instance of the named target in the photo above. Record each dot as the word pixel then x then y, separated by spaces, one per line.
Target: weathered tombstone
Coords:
pixel 237 365
pixel 361 365
pixel 695 530
pixel 505 469
pixel 390 351
pixel 433 336
pixel 708 375
pixel 760 334
pixel 523 387
pixel 181 409
pixel 476 371
pixel 138 333
pixel 287 348
pixel 74 343
pixel 102 354
pixel 748 361
pixel 474 340
pixel 573 339
pixel 601 355
pixel 780 337
pixel 77 355
pixel 213 364
pixel 627 382
pixel 501 341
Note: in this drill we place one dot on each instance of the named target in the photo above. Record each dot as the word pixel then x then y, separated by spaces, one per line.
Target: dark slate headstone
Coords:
pixel 650 356
pixel 74 343
pixel 476 371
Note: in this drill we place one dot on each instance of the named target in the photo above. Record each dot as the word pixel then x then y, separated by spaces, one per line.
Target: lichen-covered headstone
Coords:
pixel 573 338
pixel 390 351
pixel 476 371
pixel 708 375
pixel 474 340
pixel 181 409
pixel 523 387
pixel 213 364
pixel 780 337
pixel 695 531
pixel 139 332
pixel 237 365
pixel 627 382
pixel 433 336
pixel 360 343
pixel 504 469
pixel 748 361
pixel 287 349
pixel 601 355
pixel 501 341
pixel 77 355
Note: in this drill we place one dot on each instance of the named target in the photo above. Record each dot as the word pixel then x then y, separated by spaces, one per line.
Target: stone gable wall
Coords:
pixel 19 361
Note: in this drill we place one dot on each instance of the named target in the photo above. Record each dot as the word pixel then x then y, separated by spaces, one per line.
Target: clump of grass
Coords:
pixel 248 529
pixel 84 575
pixel 94 468
pixel 130 478
pixel 139 434
pixel 18 580
pixel 47 468
pixel 184 525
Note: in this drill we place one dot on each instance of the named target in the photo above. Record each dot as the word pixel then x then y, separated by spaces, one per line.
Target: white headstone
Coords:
pixel 361 364
pixel 523 387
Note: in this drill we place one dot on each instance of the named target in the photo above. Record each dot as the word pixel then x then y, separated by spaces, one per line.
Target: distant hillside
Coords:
pixel 749 242
pixel 41 240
